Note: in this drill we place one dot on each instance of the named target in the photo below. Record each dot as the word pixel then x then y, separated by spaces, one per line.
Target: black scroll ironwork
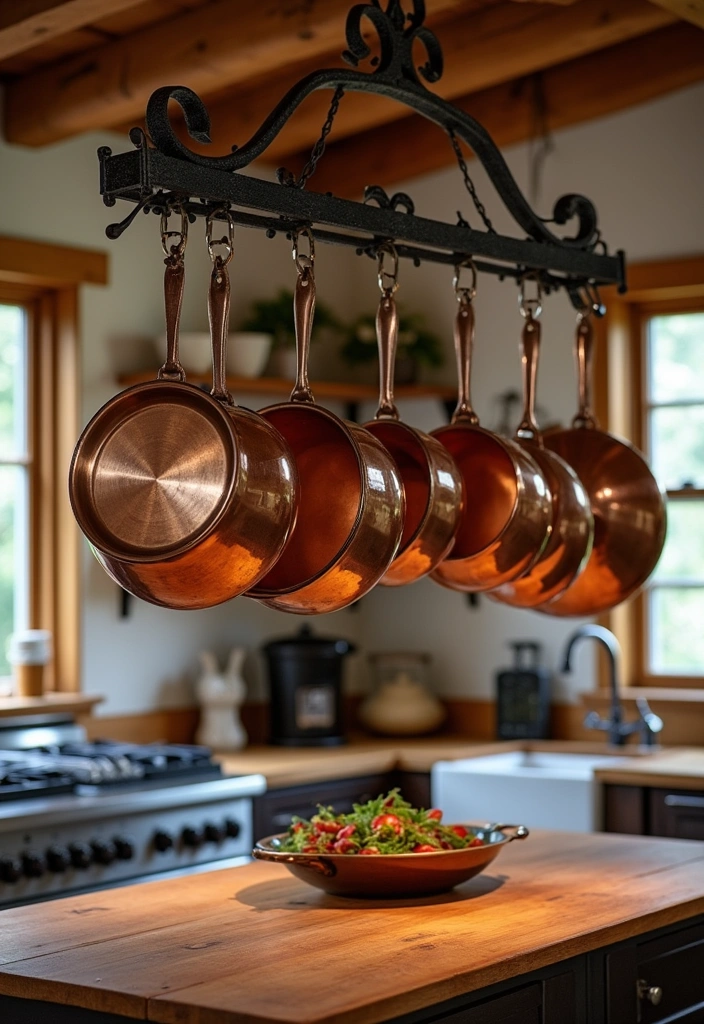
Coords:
pixel 163 169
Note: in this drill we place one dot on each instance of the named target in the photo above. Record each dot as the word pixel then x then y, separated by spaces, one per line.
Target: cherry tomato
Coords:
pixel 326 826
pixel 347 831
pixel 476 842
pixel 297 827
pixel 310 849
pixel 460 831
pixel 368 851
pixel 387 821
pixel 424 848
pixel 435 814
pixel 343 846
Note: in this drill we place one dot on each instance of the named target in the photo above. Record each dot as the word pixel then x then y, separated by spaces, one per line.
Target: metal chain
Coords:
pixel 287 177
pixel 469 184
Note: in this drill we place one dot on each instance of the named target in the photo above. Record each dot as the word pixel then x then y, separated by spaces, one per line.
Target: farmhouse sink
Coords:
pixel 524 787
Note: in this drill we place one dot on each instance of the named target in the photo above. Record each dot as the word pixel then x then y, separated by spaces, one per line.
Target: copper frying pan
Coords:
pixel 351 505
pixel 431 480
pixel 167 482
pixel 570 542
pixel 630 520
pixel 507 513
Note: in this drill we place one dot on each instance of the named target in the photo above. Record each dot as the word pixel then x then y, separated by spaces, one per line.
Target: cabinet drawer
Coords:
pixel 678 814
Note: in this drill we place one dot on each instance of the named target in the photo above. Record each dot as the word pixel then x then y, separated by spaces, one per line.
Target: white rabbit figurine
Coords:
pixel 220 696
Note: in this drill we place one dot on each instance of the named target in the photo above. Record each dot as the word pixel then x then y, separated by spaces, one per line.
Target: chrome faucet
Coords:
pixel 648 723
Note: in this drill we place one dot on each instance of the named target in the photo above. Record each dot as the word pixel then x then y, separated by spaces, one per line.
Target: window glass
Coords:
pixel 682 559
pixel 677 445
pixel 675 628
pixel 676 358
pixel 14 477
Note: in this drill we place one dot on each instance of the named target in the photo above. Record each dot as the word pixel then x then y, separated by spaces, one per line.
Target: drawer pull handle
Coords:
pixel 650 993
pixel 684 801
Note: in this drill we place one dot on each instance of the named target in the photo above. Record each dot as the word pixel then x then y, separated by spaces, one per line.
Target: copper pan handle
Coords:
pixel 219 315
pixel 174 279
pixel 464 343
pixel 584 349
pixel 387 339
pixel 303 311
pixel 322 865
pixel 528 429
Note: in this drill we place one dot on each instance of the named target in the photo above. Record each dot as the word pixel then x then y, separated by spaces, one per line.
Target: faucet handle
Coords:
pixel 593 720
pixel 652 723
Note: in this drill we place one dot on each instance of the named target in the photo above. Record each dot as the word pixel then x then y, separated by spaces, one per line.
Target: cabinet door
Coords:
pixel 273 810
pixel 625 809
pixel 678 814
pixel 551 1000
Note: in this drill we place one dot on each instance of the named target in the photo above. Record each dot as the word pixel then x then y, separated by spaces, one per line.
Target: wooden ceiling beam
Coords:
pixel 206 49
pixel 490 46
pixel 26 23
pixel 580 90
pixel 688 10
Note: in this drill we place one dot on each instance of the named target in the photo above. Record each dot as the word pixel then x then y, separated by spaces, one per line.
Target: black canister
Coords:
pixel 305 689
pixel 523 696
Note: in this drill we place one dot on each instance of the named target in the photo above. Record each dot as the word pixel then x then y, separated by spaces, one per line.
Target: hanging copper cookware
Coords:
pixel 431 480
pixel 186 499
pixel 506 519
pixel 570 542
pixel 351 504
pixel 630 520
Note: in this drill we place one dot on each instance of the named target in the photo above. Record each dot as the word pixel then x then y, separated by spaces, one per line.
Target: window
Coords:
pixel 650 381
pixel 674 432
pixel 39 391
pixel 15 476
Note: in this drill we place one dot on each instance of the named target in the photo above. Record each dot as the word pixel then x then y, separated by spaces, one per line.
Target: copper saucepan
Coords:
pixel 570 542
pixel 630 520
pixel 186 499
pixel 351 505
pixel 431 480
pixel 507 513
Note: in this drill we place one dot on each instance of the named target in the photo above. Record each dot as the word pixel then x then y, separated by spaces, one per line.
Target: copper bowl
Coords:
pixel 392 875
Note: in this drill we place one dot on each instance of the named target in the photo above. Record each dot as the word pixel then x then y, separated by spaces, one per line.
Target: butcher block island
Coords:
pixel 560 929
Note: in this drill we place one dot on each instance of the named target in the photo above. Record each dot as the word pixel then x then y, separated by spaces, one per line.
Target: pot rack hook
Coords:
pixel 587 301
pixel 465 294
pixel 383 274
pixel 227 241
pixel 304 261
pixel 174 250
pixel 530 306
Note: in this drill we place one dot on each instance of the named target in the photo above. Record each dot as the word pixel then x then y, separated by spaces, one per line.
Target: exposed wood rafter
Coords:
pixel 488 47
pixel 206 49
pixel 26 23
pixel 580 90
pixel 689 10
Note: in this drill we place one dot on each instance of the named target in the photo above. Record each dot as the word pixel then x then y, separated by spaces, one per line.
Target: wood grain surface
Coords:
pixel 254 944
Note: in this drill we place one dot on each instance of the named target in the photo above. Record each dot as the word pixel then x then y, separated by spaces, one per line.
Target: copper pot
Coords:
pixel 506 519
pixel 431 480
pixel 186 499
pixel 628 506
pixel 351 505
pixel 570 541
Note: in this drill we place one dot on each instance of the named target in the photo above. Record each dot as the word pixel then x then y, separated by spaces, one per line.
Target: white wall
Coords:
pixel 643 171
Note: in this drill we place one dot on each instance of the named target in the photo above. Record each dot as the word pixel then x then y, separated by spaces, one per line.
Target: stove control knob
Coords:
pixel 232 828
pixel 213 833
pixel 81 855
pixel 191 837
pixel 124 848
pixel 163 841
pixel 58 858
pixel 103 853
pixel 10 869
pixel 33 865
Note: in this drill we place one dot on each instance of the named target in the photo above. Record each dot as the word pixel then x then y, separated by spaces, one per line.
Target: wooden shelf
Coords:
pixel 74 703
pixel 337 390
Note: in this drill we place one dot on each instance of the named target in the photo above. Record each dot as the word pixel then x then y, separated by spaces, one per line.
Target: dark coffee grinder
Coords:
pixel 305 689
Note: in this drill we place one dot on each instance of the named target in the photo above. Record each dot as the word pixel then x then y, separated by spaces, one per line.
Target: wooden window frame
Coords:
pixel 45 280
pixel 654 288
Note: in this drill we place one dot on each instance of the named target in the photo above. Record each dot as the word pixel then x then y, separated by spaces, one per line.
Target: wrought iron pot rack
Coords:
pixel 162 172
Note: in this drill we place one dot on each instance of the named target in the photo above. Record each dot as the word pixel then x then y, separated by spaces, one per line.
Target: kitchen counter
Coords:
pixel 254 943
pixel 680 767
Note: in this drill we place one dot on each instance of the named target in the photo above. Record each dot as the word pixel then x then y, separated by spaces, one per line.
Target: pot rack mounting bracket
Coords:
pixel 162 172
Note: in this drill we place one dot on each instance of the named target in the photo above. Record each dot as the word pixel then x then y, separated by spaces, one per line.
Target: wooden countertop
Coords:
pixel 679 767
pixel 255 944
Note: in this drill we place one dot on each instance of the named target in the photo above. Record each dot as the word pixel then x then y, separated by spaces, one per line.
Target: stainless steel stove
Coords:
pixel 77 816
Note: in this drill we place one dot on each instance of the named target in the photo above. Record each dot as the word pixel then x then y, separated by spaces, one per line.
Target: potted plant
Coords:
pixel 417 345
pixel 274 317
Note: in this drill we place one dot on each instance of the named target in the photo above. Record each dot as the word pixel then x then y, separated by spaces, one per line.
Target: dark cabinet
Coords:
pixel 639 810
